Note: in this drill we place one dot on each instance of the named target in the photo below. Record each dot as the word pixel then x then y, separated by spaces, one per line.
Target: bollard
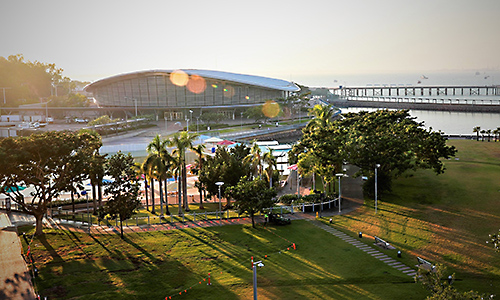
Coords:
pixel 399 254
pixel 209 283
pixel 360 234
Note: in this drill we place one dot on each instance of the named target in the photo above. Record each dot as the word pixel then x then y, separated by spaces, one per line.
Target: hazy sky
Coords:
pixel 310 42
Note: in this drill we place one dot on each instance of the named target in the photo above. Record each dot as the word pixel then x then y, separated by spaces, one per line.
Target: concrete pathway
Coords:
pixel 15 279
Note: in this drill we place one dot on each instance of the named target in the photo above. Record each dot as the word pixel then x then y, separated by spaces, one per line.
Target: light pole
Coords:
pixel 187 120
pixel 241 125
pixel 135 102
pixel 254 267
pixel 376 183
pixel 220 183
pixel 339 176
pixel 88 214
pixel 197 121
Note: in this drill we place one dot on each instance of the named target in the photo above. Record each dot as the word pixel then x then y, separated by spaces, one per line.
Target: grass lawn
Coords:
pixel 153 265
pixel 445 219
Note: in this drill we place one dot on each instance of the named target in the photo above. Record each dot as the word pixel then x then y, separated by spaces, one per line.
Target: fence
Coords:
pixel 86 218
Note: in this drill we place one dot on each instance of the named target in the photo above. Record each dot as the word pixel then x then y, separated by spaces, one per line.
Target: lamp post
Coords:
pixel 376 184
pixel 135 102
pixel 87 196
pixel 254 267
pixel 197 121
pixel 339 176
pixel 241 124
pixel 187 120
pixel 219 184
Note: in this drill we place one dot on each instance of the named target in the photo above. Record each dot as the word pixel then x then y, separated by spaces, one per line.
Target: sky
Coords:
pixel 309 42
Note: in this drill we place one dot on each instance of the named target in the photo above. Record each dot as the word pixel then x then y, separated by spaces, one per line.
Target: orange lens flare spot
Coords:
pixel 270 109
pixel 196 84
pixel 179 78
pixel 247 97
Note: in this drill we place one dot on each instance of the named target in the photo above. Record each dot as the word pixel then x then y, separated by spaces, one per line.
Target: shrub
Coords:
pixel 288 198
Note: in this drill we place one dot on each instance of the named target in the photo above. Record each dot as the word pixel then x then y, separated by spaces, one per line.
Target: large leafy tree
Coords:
pixel 392 139
pixel 227 166
pixel 123 190
pixel 50 163
pixel 252 196
pixel 443 289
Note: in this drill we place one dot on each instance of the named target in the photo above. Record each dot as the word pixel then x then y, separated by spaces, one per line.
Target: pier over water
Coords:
pixel 423 91
pixel 451 98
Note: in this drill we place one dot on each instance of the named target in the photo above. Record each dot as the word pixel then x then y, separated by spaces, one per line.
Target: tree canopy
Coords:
pixel 252 196
pixel 391 139
pixel 123 190
pixel 50 163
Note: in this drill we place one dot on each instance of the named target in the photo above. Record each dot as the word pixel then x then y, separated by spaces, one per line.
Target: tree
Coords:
pixel 198 168
pixel 252 196
pixel 495 240
pixel 210 118
pixel 392 139
pixel 270 161
pixel 443 289
pixel 158 164
pixel 477 130
pixel 183 141
pixel 50 162
pixel 254 160
pixel 123 190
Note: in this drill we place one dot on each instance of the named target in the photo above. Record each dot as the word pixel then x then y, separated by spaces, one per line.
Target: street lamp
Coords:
pixel 376 171
pixel 84 193
pixel 340 175
pixel 220 183
pixel 254 267
pixel 241 125
pixel 187 120
pixel 135 104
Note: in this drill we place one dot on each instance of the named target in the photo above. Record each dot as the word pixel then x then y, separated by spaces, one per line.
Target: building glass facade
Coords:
pixel 155 90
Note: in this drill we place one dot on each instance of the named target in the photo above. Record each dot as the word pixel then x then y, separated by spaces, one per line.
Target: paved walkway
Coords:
pixel 15 279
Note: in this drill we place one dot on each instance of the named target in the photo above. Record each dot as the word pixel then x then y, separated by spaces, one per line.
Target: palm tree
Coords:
pixel 159 162
pixel 488 132
pixel 254 160
pixel 183 141
pixel 496 134
pixel 482 134
pixel 198 168
pixel 477 129
pixel 270 160
pixel 323 115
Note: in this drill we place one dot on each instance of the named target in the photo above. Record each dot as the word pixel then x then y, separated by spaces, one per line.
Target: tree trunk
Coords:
pixel 121 227
pixel 184 187
pixel 152 195
pixel 179 192
pixel 160 184
pixel 253 220
pixel 146 191
pixel 99 191
pixel 73 203
pixel 201 197
pixel 166 197
pixel 94 198
pixel 39 222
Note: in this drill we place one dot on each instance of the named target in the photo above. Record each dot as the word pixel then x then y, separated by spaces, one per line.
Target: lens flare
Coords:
pixel 228 91
pixel 247 97
pixel 270 109
pixel 214 86
pixel 196 84
pixel 179 78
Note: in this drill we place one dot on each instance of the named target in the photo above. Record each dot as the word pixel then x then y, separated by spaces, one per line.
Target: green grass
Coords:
pixel 154 265
pixel 445 219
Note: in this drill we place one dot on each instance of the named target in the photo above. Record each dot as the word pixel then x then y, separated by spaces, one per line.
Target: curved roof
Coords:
pixel 260 81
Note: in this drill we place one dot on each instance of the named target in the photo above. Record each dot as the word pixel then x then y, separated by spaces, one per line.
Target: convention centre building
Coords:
pixel 177 91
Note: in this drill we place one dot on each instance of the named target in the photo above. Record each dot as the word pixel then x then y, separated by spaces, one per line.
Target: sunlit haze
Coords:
pixel 309 42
